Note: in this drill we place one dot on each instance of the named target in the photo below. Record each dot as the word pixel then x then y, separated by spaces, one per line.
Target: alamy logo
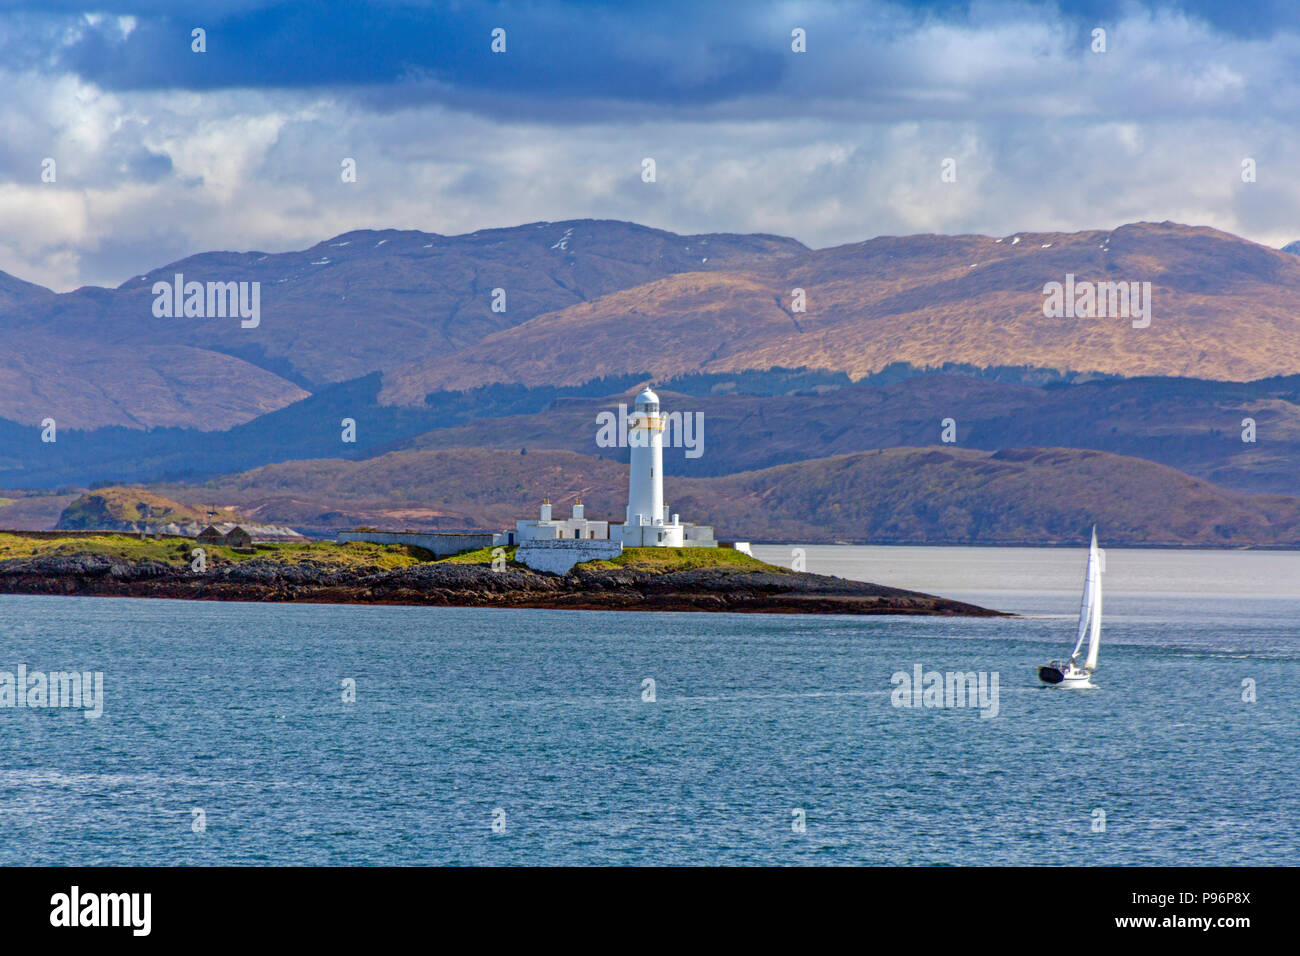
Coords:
pixel 212 300
pixel 81 689
pixel 681 430
pixel 74 908
pixel 924 688
pixel 1098 300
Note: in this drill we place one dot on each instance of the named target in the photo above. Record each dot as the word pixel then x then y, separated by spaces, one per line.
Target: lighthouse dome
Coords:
pixel 647 398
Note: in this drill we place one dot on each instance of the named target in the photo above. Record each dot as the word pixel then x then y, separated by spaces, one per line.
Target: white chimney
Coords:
pixel 546 510
pixel 577 509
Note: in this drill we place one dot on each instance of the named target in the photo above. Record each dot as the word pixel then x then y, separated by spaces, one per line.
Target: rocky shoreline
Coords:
pixel 466 585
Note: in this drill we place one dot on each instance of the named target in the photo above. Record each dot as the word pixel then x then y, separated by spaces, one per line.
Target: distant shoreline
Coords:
pixel 793 543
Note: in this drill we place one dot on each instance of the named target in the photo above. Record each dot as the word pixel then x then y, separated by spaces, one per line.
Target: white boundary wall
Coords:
pixel 559 557
pixel 441 545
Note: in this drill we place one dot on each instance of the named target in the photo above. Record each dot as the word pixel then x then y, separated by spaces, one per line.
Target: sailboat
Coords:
pixel 1071 674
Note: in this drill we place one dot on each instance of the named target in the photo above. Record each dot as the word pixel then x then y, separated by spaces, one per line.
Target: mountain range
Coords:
pixel 361 302
pixel 451 355
pixel 589 299
pixel 1222 308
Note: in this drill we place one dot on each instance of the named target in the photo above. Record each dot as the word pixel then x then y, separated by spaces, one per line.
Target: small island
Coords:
pixel 650 561
pixel 324 572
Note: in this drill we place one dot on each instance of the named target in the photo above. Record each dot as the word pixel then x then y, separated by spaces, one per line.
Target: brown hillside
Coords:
pixel 81 384
pixel 915 495
pixel 588 298
pixel 949 496
pixel 1223 308
pixel 1191 425
pixel 125 508
pixel 351 305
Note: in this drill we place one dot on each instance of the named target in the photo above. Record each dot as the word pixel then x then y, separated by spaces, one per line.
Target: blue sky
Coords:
pixel 162 152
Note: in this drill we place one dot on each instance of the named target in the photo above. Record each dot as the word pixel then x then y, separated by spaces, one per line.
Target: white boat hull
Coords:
pixel 1065 676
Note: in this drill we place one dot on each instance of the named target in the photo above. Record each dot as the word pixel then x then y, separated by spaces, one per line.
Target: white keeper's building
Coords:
pixel 575 527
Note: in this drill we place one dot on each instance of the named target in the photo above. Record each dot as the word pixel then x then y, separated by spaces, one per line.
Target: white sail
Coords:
pixel 1090 582
pixel 1094 641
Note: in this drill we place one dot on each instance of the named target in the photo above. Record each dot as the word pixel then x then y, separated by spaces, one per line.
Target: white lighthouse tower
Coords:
pixel 648 521
pixel 645 438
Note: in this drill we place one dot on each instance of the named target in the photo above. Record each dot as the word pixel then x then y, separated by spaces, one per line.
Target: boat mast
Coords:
pixel 1087 602
pixel 1094 641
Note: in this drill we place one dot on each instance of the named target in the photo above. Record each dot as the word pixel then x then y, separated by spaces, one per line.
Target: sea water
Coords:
pixel 229 733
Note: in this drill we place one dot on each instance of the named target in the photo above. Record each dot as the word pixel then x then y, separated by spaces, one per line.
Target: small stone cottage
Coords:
pixel 236 538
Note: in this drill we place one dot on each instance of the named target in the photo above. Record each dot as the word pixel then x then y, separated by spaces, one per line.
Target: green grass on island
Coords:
pixel 681 559
pixel 479 556
pixel 177 552
pixel 639 559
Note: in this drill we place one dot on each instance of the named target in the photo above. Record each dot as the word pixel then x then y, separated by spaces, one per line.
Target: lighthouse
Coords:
pixel 648 523
pixel 645 439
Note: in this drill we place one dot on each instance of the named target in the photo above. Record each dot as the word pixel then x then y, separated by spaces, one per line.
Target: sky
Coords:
pixel 161 152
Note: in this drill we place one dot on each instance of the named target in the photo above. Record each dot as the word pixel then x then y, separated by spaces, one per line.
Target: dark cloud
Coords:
pixel 637 53
pixel 571 59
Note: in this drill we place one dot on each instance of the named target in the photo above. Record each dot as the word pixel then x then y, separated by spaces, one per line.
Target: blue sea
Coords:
pixel 523 737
